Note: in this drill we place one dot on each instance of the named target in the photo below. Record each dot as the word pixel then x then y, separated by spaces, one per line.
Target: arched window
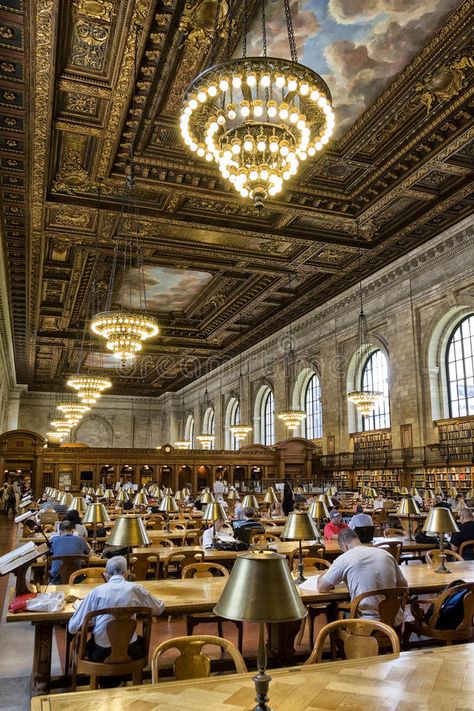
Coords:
pixel 460 369
pixel 375 377
pixel 189 430
pixel 313 423
pixel 268 418
pixel 232 417
pixel 235 420
pixel 209 423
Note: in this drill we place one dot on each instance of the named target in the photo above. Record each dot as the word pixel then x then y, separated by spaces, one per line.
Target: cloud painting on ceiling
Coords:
pixel 166 289
pixel 357 46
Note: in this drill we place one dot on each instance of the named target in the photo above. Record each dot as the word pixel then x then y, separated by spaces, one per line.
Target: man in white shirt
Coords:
pixel 116 592
pixel 208 535
pixel 378 502
pixel 363 568
pixel 360 518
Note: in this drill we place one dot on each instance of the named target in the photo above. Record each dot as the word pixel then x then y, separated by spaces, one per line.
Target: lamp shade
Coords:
pixel 404 491
pixel 438 490
pixel 371 493
pixel 66 498
pixel 440 520
pixel 100 491
pixel 250 502
pixel 78 504
pixel 214 512
pixel 96 513
pixel 167 491
pixel 207 498
pixel 179 495
pixel 326 500
pixel 109 494
pixel 414 491
pixel 186 492
pixel 129 531
pixel 470 494
pixel 260 589
pixel 140 500
pixel 452 492
pixel 168 505
pixel 318 510
pixel 300 527
pixel 429 495
pixel 233 495
pixel 122 496
pixel 408 507
pixel 270 496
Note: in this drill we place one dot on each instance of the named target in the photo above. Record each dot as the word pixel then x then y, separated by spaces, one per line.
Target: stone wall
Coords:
pixel 9 392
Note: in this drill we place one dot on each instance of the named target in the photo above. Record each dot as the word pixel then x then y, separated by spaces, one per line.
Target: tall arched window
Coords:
pixel 313 423
pixel 189 430
pixel 460 369
pixel 268 418
pixel 209 423
pixel 232 417
pixel 375 378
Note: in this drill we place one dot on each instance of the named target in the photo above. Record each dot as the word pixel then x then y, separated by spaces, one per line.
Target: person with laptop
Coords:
pixel 360 518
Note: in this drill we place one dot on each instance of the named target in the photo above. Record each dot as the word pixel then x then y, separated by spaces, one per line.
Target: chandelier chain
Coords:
pixel 264 30
pixel 246 27
pixel 291 34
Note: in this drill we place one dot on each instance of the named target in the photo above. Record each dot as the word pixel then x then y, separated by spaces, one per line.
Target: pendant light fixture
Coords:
pixel 126 325
pixel 291 417
pixel 257 117
pixel 364 400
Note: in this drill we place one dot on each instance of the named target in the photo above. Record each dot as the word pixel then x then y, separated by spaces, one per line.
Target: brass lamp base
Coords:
pixel 442 567
pixel 300 579
pixel 262 683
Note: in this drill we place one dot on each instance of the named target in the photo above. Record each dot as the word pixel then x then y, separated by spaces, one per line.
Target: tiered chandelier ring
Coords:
pixel 257 118
pixel 240 432
pixel 292 418
pixel 365 400
pixel 124 331
pixel 89 388
pixel 73 411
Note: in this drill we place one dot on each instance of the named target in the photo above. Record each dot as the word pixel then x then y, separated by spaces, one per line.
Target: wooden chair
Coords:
pixel 124 622
pixel 393 547
pixel 390 532
pixel 316 551
pixel 192 663
pixel 93 576
pixel 428 627
pixel 175 562
pixel 466 546
pixel 190 538
pixel 356 638
pixel 177 526
pixel 144 565
pixel 264 538
pixel 69 564
pixel 163 543
pixel 391 602
pixel 312 565
pixel 207 570
pixel 433 556
pixel 153 525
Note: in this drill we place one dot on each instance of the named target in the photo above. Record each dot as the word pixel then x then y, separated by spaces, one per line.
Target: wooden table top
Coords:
pixel 429 680
pixel 171 535
pixel 202 594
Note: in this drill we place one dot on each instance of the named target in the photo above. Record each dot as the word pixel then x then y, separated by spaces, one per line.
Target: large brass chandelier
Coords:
pixel 258 117
pixel 364 400
pixel 73 411
pixel 124 331
pixel 89 387
pixel 240 432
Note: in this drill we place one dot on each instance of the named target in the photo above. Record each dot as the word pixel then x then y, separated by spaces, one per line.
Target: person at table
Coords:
pixel 378 501
pixel 362 568
pixel 221 535
pixel 335 526
pixel 287 499
pixel 360 518
pixel 66 543
pixel 248 521
pixel 116 592
pixel 79 528
pixel 459 503
pixel 239 512
pixel 466 533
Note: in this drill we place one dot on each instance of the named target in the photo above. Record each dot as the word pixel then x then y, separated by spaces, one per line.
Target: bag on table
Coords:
pixel 230 545
pixel 18 604
pixel 46 602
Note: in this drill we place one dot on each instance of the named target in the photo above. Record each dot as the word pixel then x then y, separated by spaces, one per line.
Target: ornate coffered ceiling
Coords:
pixel 220 275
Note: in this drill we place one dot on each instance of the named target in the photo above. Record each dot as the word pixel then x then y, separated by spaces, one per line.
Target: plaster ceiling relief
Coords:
pixel 357 46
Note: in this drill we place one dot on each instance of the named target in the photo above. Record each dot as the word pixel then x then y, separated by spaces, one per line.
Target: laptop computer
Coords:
pixel 365 533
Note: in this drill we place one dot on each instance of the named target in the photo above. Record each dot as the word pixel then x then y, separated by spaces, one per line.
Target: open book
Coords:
pixel 24 554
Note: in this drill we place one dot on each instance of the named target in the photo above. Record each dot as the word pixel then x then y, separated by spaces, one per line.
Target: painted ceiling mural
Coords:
pixel 166 289
pixel 356 45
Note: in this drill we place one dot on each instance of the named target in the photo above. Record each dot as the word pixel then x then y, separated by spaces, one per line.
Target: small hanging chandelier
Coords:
pixel 183 444
pixel 73 411
pixel 257 117
pixel 89 388
pixel 292 418
pixel 126 326
pixel 206 440
pixel 240 432
pixel 62 427
pixel 364 400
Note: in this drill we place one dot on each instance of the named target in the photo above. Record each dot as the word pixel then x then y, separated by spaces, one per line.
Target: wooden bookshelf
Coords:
pixel 456 438
pixel 372 448
pixel 384 479
pixel 460 477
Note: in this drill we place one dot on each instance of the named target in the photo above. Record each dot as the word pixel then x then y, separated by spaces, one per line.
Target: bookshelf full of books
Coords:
pixel 456 439
pixel 459 477
pixel 372 449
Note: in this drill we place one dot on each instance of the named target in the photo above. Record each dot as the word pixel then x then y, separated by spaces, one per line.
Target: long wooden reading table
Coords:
pixel 428 680
pixel 202 594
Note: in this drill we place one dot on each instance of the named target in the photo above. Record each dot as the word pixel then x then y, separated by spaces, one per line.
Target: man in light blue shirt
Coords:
pixel 360 518
pixel 67 543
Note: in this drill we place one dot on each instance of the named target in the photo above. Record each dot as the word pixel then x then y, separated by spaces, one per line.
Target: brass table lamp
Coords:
pixel 100 491
pixel 78 504
pixel 207 498
pixel 429 495
pixel 441 521
pixel 408 507
pixel 66 498
pixel 260 589
pixel 140 500
pixel 452 492
pixel 319 512
pixel 122 496
pixel 109 495
pixel 326 499
pixel 129 532
pixel 300 527
pixel 438 490
pixel 404 491
pixel 270 497
pixel 168 505
pixel 179 495
pixel 212 513
pixel 95 513
pixel 414 491
pixel 250 502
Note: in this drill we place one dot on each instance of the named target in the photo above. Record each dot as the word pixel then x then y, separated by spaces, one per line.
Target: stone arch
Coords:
pixel 354 376
pixel 94 430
